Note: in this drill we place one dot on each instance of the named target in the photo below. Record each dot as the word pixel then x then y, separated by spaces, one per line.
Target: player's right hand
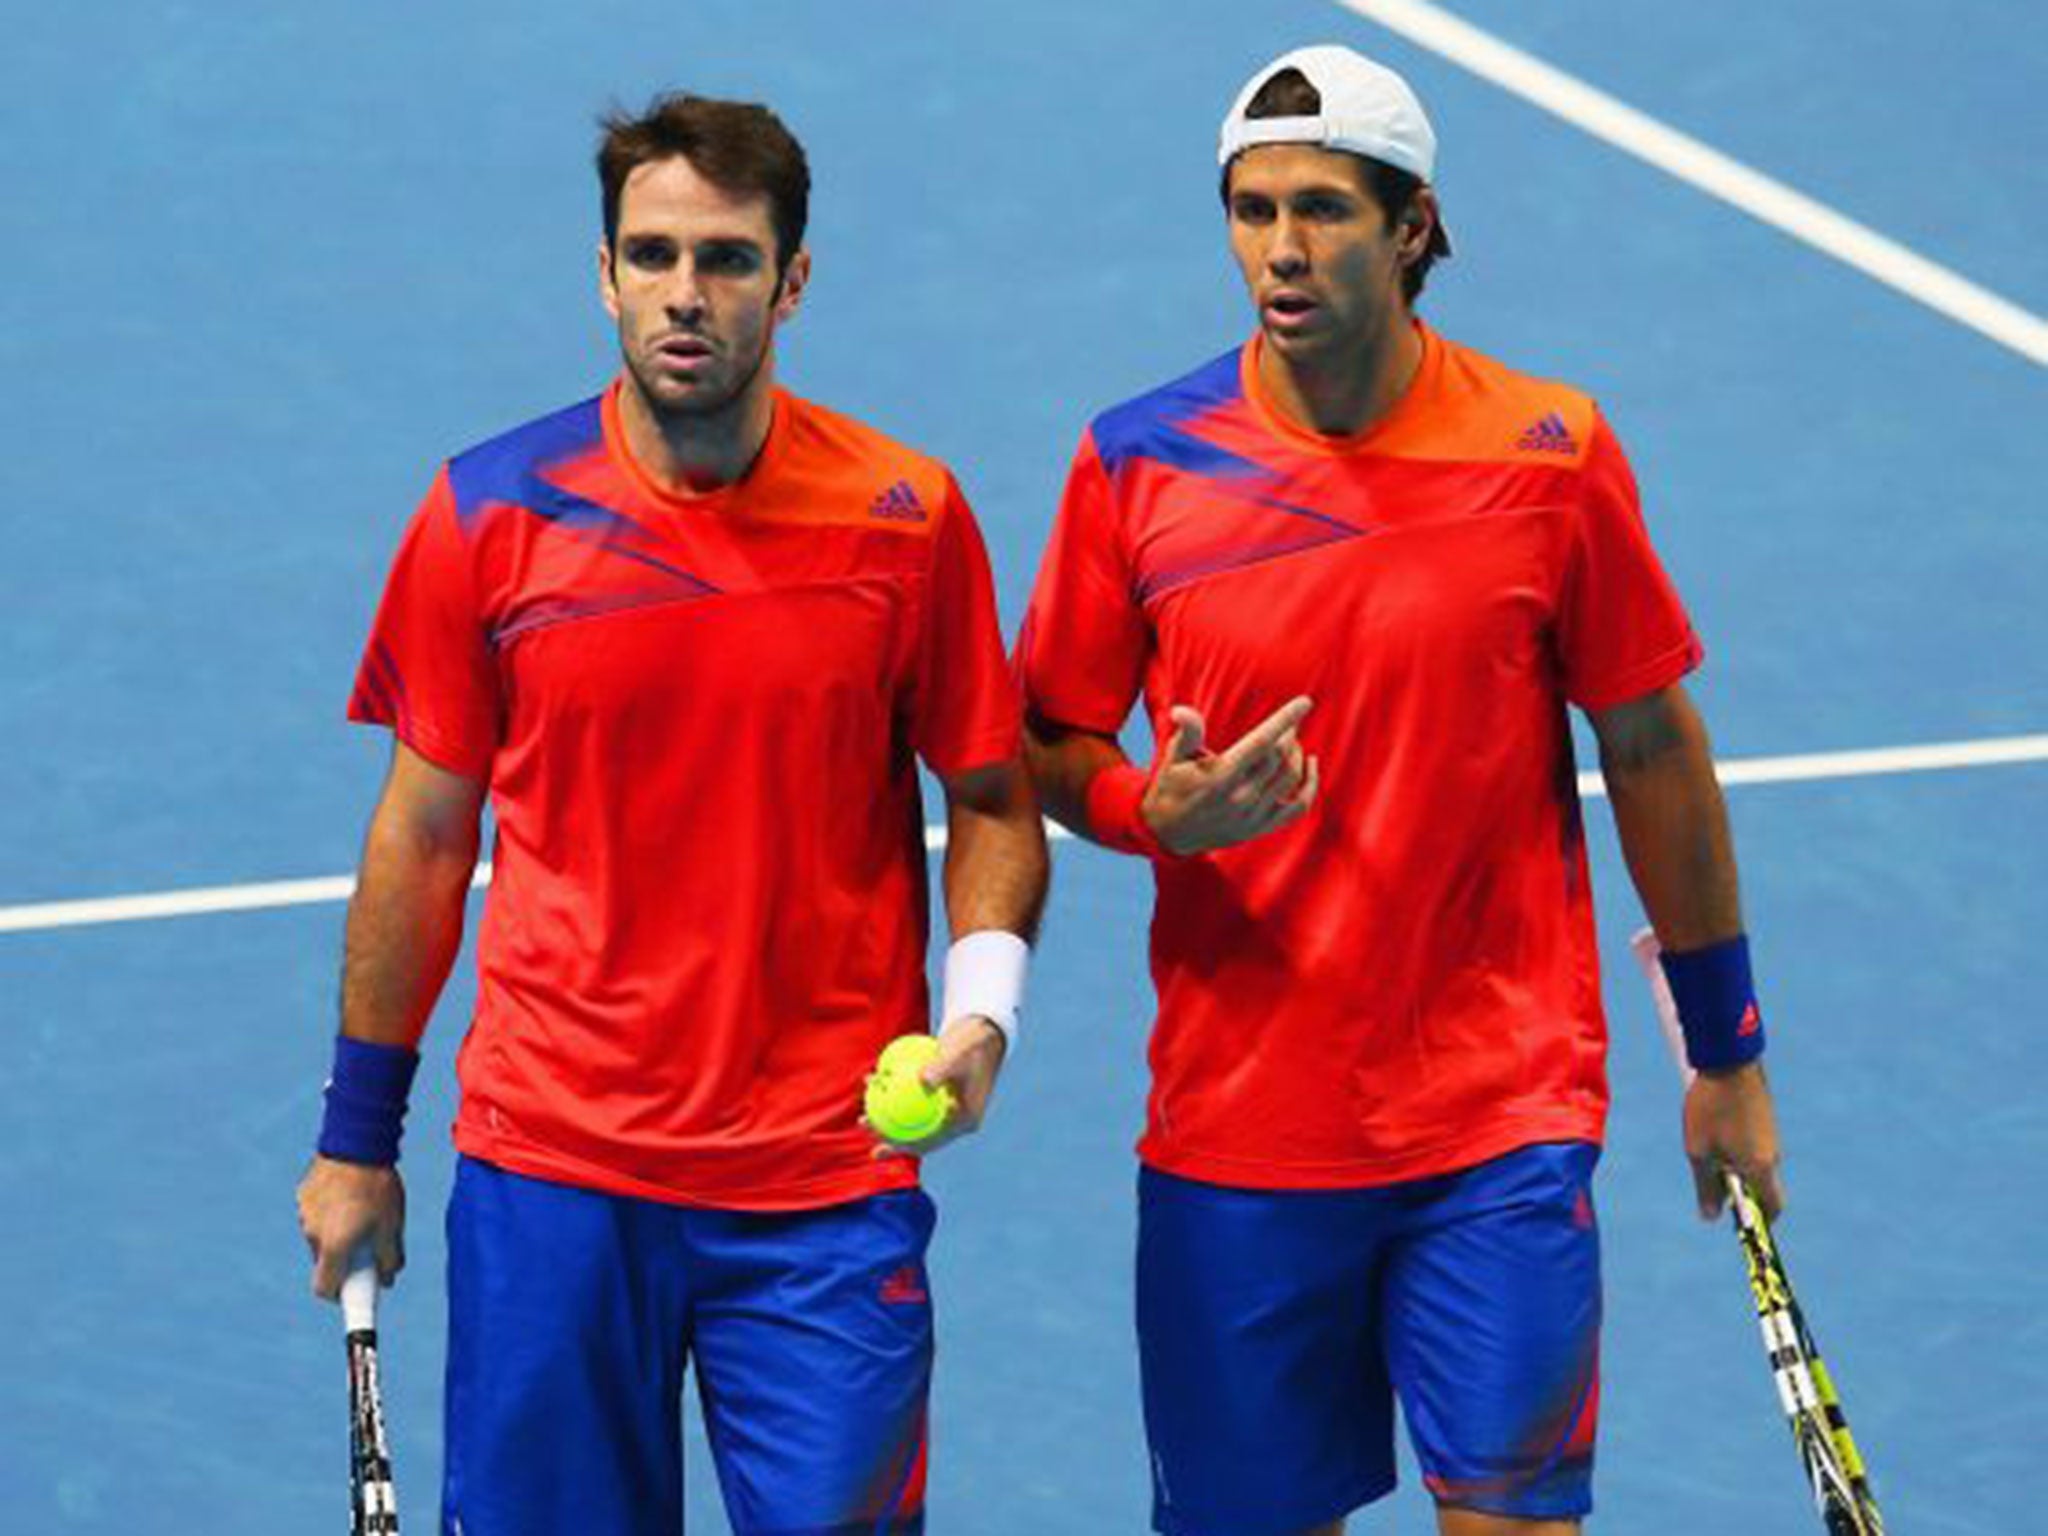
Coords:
pixel 1201 800
pixel 1731 1127
pixel 346 1206
pixel 969 1059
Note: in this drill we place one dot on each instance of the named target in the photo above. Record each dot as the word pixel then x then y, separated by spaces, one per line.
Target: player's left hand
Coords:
pixel 970 1058
pixel 1731 1126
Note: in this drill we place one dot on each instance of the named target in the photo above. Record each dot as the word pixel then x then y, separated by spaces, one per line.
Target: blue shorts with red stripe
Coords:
pixel 572 1314
pixel 1276 1328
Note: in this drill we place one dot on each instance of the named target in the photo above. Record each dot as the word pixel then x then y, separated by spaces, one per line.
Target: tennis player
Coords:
pixel 689 639
pixel 1358 573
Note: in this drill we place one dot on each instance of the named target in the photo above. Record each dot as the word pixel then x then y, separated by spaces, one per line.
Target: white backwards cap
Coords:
pixel 1367 109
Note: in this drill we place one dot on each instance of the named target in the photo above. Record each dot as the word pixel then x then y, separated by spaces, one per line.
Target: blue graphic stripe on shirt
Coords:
pixel 498 470
pixel 1156 583
pixel 511 474
pixel 382 687
pixel 512 470
pixel 1158 428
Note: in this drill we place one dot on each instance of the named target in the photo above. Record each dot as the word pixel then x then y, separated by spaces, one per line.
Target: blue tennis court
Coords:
pixel 265 266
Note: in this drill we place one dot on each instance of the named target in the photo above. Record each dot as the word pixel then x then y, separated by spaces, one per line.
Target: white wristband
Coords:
pixel 985 976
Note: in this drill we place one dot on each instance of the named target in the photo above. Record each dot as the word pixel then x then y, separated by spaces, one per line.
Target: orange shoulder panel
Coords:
pixel 834 470
pixel 1477 410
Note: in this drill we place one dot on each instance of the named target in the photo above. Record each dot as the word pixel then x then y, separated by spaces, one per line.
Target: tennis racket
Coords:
pixel 371 1496
pixel 1820 1429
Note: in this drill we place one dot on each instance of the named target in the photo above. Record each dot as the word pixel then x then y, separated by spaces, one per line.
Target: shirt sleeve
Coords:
pixel 1622 632
pixel 1081 654
pixel 967 710
pixel 427 671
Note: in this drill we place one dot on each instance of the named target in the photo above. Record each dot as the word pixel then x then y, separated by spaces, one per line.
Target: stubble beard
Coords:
pixel 700 408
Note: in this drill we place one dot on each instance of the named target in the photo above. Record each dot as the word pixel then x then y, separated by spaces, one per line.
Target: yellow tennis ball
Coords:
pixel 898 1104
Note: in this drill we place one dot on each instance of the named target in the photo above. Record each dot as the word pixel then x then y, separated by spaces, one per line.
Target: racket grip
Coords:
pixel 359 1292
pixel 1644 946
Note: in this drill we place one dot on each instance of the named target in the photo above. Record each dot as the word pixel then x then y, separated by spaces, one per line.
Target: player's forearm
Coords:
pixel 1672 820
pixel 996 869
pixel 1063 761
pixel 404 928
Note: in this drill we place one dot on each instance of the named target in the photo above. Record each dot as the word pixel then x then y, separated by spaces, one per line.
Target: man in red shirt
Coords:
pixel 1380 566
pixel 689 638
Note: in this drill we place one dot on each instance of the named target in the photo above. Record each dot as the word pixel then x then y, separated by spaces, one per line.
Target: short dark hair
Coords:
pixel 738 146
pixel 1288 93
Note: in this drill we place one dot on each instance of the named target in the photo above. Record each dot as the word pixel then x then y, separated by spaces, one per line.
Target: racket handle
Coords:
pixel 359 1293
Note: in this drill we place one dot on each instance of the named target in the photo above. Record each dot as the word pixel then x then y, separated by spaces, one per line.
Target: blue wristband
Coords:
pixel 1717 1009
pixel 366 1101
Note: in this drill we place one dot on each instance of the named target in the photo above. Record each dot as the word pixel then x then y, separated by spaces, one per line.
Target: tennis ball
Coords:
pixel 898 1104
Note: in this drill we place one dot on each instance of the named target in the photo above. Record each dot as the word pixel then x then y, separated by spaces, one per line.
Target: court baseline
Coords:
pixel 265 895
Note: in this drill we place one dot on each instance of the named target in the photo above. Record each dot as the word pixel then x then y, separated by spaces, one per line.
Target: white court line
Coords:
pixel 1984 753
pixel 1712 172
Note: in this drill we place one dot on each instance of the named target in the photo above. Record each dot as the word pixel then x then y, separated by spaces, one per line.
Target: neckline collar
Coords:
pixel 621 453
pixel 1420 386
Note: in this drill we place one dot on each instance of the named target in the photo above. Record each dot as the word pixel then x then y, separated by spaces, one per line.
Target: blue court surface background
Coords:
pixel 264 266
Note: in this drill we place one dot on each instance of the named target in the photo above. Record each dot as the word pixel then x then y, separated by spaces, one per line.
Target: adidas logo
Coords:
pixel 898 503
pixel 904 1287
pixel 1547 436
pixel 1582 1211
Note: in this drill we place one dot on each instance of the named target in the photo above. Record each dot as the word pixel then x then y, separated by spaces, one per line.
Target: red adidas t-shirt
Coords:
pixel 1405 981
pixel 699 719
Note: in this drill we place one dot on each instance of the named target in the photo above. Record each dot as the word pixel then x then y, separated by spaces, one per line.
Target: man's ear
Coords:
pixel 607 278
pixel 795 278
pixel 1418 223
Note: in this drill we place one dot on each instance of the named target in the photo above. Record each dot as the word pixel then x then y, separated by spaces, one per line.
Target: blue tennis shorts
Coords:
pixel 1276 1328
pixel 571 1314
